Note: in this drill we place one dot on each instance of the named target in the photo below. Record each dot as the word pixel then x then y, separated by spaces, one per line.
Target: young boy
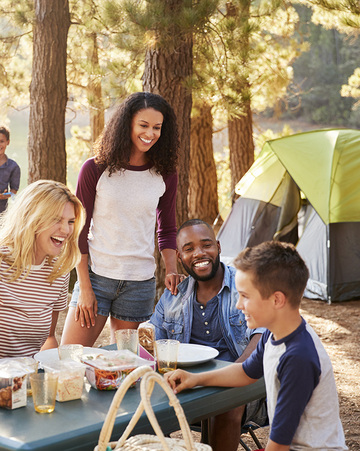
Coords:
pixel 9 171
pixel 301 393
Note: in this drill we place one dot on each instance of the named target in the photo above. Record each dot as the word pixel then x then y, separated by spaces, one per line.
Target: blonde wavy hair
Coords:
pixel 36 209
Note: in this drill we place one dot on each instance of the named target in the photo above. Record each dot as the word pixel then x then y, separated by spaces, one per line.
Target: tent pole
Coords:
pixel 329 289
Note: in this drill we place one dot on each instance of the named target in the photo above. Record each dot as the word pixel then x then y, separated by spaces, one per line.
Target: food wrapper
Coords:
pixel 71 378
pixel 146 336
pixel 13 376
pixel 107 371
pixel 30 365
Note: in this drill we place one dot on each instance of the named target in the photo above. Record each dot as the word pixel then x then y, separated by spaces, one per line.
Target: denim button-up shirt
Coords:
pixel 173 315
pixel 9 179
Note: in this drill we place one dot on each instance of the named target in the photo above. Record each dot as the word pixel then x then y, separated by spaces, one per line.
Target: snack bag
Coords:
pixel 30 365
pixel 107 371
pixel 12 384
pixel 146 336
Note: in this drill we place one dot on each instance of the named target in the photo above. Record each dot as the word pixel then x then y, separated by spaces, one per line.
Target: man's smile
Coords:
pixel 202 263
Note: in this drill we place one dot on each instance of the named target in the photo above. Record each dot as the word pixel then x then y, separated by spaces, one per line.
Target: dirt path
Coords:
pixel 338 326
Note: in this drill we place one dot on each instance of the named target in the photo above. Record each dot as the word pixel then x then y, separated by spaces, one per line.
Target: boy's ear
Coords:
pixel 279 299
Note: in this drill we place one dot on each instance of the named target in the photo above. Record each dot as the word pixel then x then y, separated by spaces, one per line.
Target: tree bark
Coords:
pixel 165 74
pixel 48 92
pixel 240 129
pixel 166 71
pixel 241 144
pixel 97 115
pixel 203 195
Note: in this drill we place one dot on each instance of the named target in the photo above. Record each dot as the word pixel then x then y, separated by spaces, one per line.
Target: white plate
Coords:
pixel 190 354
pixel 49 355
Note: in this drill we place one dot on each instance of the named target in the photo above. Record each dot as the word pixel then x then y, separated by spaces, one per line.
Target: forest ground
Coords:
pixel 338 326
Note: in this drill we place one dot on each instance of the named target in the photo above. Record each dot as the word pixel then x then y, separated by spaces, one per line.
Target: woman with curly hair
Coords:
pixel 129 185
pixel 38 249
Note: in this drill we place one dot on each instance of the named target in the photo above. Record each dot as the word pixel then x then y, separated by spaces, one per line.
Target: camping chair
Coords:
pixel 259 414
pixel 250 428
pixel 203 428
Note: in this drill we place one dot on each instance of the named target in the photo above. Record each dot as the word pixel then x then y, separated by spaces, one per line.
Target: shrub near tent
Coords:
pixel 325 166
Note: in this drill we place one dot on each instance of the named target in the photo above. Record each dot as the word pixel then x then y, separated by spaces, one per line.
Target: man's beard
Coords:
pixel 192 273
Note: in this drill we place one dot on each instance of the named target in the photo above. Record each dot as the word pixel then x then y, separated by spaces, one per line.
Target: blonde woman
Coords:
pixel 38 248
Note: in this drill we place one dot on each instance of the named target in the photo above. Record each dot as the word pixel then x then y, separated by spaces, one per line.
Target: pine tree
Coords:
pixel 48 92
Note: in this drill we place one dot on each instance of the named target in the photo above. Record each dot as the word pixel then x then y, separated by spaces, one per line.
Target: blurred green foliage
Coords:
pixel 320 73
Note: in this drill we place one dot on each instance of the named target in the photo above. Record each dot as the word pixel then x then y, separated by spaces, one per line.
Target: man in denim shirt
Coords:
pixel 204 312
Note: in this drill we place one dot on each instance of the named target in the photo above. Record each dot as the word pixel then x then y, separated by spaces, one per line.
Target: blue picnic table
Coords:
pixel 76 425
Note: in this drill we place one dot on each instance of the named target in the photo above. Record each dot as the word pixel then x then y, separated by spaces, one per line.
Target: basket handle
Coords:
pixel 146 388
pixel 109 422
pixel 149 377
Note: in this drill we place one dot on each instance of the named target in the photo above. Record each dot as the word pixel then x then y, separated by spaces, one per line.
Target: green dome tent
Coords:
pixel 325 166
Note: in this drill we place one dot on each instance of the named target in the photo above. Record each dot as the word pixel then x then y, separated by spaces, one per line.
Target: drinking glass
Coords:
pixel 73 352
pixel 44 388
pixel 166 355
pixel 127 339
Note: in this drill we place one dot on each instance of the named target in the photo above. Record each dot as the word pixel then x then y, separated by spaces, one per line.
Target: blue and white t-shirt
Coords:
pixel 302 399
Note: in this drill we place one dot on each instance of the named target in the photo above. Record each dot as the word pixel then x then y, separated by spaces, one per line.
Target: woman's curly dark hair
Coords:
pixel 113 147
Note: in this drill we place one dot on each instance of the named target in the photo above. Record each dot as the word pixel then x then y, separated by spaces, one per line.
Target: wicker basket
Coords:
pixel 144 441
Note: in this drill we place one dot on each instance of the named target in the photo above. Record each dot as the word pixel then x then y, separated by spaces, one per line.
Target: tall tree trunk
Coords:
pixel 240 128
pixel 166 71
pixel 48 92
pixel 203 196
pixel 165 74
pixel 97 115
pixel 241 144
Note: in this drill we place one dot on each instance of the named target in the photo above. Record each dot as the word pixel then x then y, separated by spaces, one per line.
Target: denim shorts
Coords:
pixel 126 300
pixel 256 413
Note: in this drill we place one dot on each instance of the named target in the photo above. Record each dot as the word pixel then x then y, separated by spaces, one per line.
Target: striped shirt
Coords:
pixel 26 307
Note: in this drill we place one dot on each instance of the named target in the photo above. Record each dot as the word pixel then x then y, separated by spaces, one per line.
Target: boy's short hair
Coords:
pixel 275 266
pixel 5 131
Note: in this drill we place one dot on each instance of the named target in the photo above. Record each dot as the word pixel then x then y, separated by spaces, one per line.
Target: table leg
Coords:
pixel 205 431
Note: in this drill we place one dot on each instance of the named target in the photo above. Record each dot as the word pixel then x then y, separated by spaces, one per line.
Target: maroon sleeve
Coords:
pixel 166 214
pixel 86 191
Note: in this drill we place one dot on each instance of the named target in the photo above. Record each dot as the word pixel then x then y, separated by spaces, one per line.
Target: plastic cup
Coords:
pixel 127 339
pixel 73 352
pixel 44 388
pixel 33 368
pixel 166 355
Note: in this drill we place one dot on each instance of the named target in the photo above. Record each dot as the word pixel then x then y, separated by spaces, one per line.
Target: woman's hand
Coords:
pixel 172 281
pixel 86 309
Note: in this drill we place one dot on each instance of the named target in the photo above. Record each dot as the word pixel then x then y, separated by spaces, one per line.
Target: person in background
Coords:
pixel 300 385
pixel 9 171
pixel 126 188
pixel 204 312
pixel 38 249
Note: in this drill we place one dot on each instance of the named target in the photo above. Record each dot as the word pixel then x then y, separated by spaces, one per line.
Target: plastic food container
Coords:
pixel 71 378
pixel 107 371
pixel 12 384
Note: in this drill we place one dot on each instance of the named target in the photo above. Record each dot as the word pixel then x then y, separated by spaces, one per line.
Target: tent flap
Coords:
pixel 344 270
